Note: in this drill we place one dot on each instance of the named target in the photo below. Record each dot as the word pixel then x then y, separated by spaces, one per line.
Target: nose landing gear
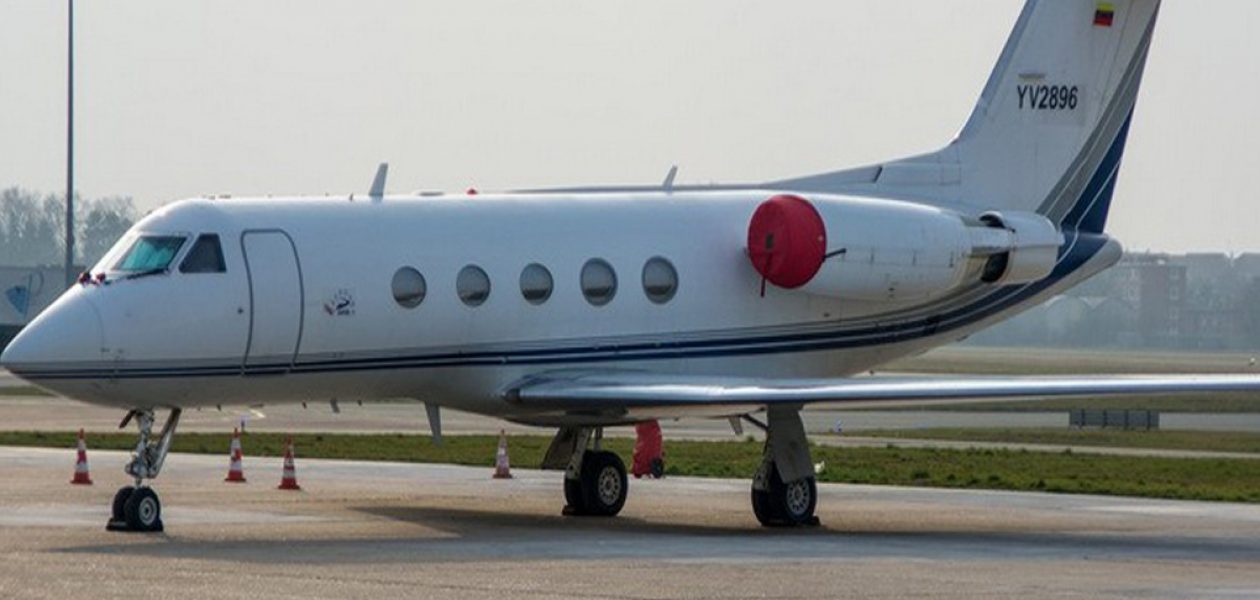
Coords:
pixel 138 508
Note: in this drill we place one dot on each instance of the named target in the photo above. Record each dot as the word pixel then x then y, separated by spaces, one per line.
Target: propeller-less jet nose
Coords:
pixel 69 331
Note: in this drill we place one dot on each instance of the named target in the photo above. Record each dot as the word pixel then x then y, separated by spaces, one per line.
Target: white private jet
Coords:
pixel 586 308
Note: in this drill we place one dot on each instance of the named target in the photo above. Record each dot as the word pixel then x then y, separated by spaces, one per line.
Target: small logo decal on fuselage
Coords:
pixel 341 304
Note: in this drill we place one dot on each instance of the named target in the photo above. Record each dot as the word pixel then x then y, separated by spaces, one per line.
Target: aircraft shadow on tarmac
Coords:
pixel 464 534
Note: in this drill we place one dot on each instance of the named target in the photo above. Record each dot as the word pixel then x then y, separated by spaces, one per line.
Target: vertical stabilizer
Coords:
pixel 1049 129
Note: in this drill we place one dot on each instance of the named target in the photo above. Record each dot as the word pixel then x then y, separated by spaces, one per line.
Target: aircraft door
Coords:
pixel 275 295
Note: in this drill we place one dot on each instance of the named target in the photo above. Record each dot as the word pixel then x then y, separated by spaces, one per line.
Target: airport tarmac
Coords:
pixel 7 379
pixel 375 529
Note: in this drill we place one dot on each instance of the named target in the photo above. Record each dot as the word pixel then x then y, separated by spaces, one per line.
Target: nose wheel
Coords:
pixel 137 508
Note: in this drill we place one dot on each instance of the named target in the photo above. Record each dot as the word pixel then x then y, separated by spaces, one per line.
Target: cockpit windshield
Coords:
pixel 150 253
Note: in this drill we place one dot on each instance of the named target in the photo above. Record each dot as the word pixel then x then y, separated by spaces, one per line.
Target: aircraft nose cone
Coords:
pixel 69 331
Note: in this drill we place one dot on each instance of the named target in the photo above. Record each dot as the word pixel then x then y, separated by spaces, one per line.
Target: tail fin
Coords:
pixel 1049 130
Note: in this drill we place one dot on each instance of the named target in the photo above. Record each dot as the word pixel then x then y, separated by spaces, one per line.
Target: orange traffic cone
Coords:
pixel 81 474
pixel 236 473
pixel 502 470
pixel 288 480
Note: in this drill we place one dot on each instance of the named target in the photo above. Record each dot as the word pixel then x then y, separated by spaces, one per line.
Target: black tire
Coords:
pixel 786 505
pixel 604 484
pixel 120 503
pixel 143 510
pixel 575 503
pixel 658 468
pixel 762 510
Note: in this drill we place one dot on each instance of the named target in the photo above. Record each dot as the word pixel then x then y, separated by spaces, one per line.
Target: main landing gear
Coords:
pixel 784 489
pixel 595 482
pixel 137 508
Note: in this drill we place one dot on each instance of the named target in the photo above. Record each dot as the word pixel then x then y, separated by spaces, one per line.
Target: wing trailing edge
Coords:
pixel 647 395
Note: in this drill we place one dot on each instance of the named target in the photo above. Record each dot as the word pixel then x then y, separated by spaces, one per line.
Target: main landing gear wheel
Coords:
pixel 602 487
pixel 574 502
pixel 785 504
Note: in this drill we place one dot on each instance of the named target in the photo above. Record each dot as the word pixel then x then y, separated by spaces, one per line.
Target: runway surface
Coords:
pixel 378 529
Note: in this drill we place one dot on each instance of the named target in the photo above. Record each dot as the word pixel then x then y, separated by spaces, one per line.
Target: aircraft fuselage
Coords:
pixel 305 307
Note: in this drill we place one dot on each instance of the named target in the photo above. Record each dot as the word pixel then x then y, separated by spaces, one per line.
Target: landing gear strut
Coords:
pixel 784 489
pixel 137 508
pixel 595 482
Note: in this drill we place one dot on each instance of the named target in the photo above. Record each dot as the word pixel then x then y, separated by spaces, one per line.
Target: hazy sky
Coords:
pixel 185 98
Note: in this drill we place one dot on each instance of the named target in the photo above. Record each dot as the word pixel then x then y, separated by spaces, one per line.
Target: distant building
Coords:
pixel 1063 315
pixel 1206 269
pixel 1247 268
pixel 1156 288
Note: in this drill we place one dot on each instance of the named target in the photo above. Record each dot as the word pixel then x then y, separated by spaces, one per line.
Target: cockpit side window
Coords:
pixel 150 253
pixel 206 256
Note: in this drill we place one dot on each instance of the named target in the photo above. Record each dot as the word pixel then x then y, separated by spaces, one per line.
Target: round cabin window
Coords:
pixel 536 284
pixel 599 282
pixel 472 285
pixel 660 280
pixel 409 287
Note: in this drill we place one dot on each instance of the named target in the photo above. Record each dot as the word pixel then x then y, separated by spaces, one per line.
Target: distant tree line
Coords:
pixel 33 226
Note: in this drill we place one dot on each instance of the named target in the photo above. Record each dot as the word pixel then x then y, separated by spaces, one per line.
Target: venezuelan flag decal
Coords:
pixel 1105 15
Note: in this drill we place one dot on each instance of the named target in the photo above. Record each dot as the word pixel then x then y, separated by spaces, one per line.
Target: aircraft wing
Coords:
pixel 637 395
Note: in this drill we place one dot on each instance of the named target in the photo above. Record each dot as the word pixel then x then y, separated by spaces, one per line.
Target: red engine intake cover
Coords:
pixel 787 241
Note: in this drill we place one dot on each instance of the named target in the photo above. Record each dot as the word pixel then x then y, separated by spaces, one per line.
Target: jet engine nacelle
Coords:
pixel 1022 247
pixel 892 251
pixel 858 249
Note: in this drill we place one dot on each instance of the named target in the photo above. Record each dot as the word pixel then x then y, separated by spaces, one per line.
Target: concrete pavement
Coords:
pixel 374 529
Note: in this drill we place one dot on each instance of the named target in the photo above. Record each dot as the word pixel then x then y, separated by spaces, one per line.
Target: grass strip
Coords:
pixel 23 390
pixel 1235 480
pixel 1209 441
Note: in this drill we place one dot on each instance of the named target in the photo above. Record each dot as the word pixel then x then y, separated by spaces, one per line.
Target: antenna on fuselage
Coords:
pixel 378 183
pixel 668 184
